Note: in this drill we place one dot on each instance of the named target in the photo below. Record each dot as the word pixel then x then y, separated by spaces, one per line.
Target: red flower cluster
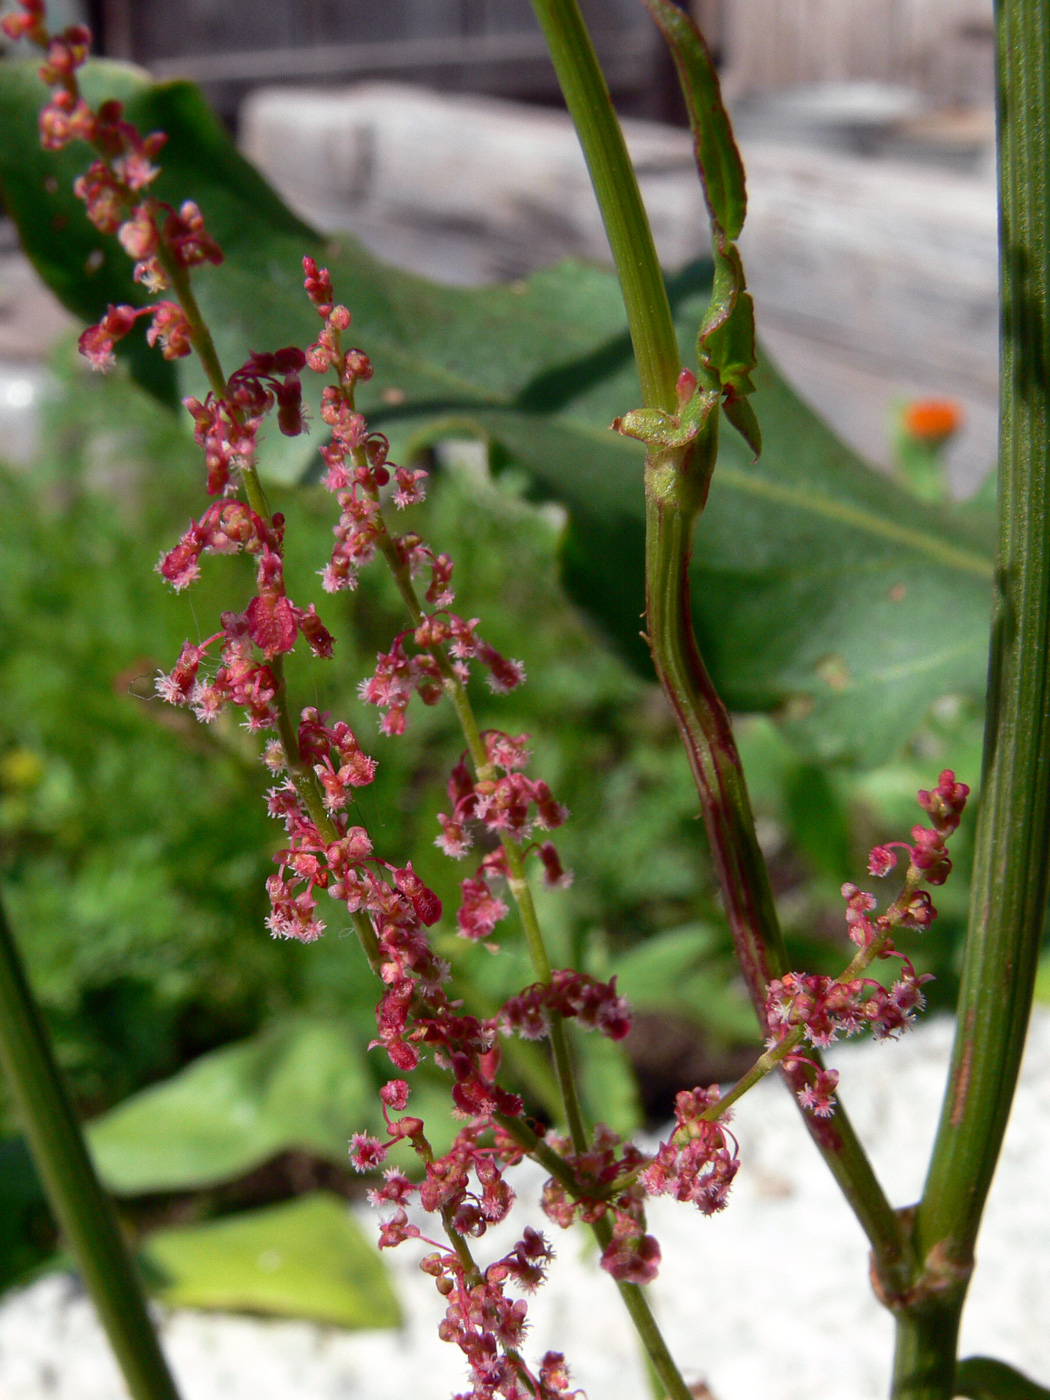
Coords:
pixel 345 866
pixel 227 427
pixel 944 805
pixel 31 25
pixel 112 190
pixel 467 1189
pixel 695 1164
pixel 596 1005
pixel 358 469
pixel 827 1007
pixel 466 1186
pixel 271 622
pixel 506 804
pixel 489 1327
pixel 169 329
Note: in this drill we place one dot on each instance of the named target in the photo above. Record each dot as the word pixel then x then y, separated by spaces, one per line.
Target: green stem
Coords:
pixel 200 336
pixel 1008 899
pixel 83 1210
pixel 619 199
pixel 702 719
pixel 535 1146
pixel 645 1325
pixel 673 499
pixel 518 882
pixel 924 1356
pixel 671 506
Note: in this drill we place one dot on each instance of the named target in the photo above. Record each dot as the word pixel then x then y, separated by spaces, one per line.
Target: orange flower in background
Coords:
pixel 932 420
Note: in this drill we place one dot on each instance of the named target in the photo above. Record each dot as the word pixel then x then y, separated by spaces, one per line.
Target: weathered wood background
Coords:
pixel 489 46
pixel 941 47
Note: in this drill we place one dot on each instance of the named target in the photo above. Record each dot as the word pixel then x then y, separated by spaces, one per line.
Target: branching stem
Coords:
pixel 671 509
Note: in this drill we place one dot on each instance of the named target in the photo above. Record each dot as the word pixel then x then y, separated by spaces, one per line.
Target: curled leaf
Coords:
pixel 721 169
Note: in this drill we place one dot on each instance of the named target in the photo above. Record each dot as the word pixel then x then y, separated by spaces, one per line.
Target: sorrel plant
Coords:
pixel 922 1256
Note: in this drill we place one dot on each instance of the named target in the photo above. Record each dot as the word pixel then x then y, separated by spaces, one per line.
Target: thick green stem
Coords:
pixel 924 1356
pixel 83 1210
pixel 619 199
pixel 1008 899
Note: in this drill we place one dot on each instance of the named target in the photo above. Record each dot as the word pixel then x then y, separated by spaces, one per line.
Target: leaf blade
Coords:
pixel 304 1258
pixel 821 592
pixel 302 1085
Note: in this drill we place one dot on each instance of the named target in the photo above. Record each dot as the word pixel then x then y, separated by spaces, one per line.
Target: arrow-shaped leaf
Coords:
pixel 820 590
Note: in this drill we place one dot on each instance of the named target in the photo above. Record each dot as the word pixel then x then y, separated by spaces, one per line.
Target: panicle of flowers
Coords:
pixel 818 1009
pixel 358 470
pixel 466 1188
pixel 115 190
pixel 696 1164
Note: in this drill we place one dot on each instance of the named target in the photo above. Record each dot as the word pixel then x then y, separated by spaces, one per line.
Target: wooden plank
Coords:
pixel 942 47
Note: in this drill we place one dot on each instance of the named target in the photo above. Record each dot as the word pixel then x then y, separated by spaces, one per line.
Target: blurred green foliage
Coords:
pixel 134 843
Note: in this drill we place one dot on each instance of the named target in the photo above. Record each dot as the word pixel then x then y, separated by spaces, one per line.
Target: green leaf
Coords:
pixel 744 419
pixel 608 1085
pixel 303 1085
pixel 821 591
pixel 650 974
pixel 717 157
pixel 306 1258
pixel 984 1378
pixel 672 973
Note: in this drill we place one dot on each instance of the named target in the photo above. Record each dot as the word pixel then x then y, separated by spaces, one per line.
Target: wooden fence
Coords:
pixel 943 48
pixel 493 46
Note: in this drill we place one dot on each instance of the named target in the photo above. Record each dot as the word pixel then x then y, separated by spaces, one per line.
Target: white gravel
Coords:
pixel 769 1301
